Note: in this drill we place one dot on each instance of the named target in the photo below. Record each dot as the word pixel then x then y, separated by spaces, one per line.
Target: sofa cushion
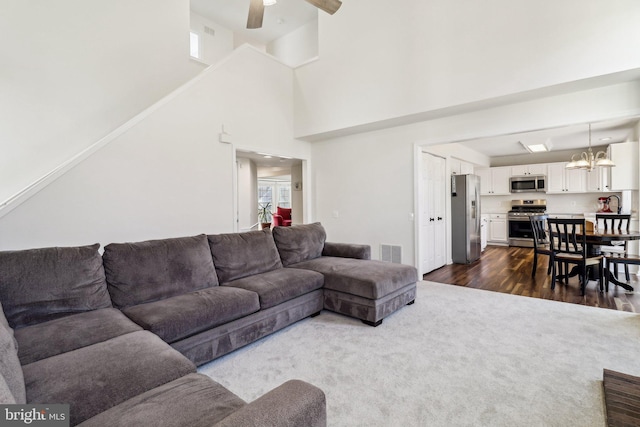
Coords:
pixel 157 269
pixel 278 286
pixel 184 315
pixel 193 400
pixel 37 285
pixel 6 396
pixel 365 278
pixel 95 378
pixel 239 255
pixel 72 332
pixel 10 369
pixel 299 242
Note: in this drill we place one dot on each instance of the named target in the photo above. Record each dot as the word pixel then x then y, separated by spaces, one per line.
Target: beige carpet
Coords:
pixel 457 357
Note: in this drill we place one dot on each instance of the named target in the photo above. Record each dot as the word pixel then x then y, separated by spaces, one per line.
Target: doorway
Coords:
pixel 266 182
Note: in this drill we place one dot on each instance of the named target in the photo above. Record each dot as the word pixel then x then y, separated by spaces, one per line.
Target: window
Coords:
pixel 277 193
pixel 194 44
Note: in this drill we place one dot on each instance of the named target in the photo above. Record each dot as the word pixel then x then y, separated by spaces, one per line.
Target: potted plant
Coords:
pixel 264 215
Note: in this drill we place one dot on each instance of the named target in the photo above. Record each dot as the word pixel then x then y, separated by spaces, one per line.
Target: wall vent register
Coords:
pixel 391 253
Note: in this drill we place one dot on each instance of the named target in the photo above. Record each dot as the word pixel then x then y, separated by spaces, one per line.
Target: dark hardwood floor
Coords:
pixel 508 270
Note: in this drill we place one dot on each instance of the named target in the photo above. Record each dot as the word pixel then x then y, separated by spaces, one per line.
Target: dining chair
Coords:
pixel 540 242
pixel 617 252
pixel 568 242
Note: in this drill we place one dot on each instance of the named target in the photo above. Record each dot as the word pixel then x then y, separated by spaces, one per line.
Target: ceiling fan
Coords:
pixel 256 10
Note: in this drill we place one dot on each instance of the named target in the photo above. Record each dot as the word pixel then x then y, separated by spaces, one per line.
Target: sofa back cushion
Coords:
pixel 12 387
pixel 238 255
pixel 157 269
pixel 299 242
pixel 37 285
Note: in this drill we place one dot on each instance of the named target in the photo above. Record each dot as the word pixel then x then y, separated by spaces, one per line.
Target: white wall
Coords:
pixel 213 47
pixel 298 46
pixel 168 175
pixel 73 70
pixel 297 193
pixel 247 194
pixel 381 59
pixel 369 178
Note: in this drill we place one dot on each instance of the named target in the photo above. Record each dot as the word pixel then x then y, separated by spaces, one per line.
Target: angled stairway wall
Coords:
pixel 71 71
pixel 165 173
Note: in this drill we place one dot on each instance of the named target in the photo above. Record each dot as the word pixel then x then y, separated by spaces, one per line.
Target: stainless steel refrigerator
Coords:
pixel 465 218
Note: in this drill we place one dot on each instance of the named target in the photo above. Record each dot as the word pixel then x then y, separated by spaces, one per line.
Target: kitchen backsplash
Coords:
pixel 556 203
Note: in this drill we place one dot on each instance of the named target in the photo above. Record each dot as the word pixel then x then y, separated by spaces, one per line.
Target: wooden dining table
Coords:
pixel 600 237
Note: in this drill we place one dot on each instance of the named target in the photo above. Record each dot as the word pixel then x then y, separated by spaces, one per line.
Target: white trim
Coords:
pixel 417 206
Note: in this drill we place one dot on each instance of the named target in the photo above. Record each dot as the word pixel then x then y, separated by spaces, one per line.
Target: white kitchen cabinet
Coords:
pixel 563 180
pixel 460 167
pixel 484 232
pixel 598 180
pixel 466 168
pixel 624 175
pixel 497 228
pixel 494 181
pixel 523 170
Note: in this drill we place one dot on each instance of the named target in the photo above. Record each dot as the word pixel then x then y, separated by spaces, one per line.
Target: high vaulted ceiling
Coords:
pixel 288 15
pixel 279 19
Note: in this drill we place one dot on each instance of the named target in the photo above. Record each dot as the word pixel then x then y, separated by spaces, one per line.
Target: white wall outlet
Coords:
pixel 335 214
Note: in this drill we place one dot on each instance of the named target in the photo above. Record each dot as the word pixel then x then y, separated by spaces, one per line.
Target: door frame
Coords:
pixel 306 187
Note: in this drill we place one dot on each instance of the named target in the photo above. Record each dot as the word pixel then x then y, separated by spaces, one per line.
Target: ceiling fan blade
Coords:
pixel 329 6
pixel 256 12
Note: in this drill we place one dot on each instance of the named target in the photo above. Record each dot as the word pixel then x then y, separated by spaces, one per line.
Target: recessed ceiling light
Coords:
pixel 606 138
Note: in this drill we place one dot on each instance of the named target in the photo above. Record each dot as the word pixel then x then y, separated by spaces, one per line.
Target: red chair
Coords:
pixel 282 217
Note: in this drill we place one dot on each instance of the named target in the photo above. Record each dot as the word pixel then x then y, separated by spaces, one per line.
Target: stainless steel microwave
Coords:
pixel 528 184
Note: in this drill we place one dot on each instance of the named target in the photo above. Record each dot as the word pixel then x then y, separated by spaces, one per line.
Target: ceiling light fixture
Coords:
pixel 537 148
pixel 269 2
pixel 588 161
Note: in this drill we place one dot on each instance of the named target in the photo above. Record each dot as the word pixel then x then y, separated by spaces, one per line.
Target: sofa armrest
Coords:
pixel 294 403
pixel 347 250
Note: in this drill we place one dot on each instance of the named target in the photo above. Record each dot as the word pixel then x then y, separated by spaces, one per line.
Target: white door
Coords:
pixel 426 225
pixel 433 223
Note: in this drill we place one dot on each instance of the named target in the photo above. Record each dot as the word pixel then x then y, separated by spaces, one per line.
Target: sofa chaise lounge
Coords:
pixel 118 336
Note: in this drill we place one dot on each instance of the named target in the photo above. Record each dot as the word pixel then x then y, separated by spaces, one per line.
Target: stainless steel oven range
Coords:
pixel 520 233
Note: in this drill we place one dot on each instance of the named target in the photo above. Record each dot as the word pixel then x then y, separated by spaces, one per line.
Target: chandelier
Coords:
pixel 588 161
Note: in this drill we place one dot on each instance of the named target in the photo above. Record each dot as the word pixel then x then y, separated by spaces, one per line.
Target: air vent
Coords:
pixel 210 31
pixel 391 253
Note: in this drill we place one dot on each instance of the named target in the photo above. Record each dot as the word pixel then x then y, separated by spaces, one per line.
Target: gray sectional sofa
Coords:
pixel 118 336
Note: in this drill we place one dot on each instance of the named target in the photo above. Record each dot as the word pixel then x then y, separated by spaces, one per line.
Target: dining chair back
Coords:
pixel 540 242
pixel 617 252
pixel 613 222
pixel 568 242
